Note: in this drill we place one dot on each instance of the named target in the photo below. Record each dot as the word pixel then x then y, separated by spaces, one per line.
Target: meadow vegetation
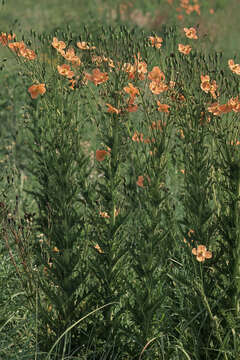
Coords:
pixel 120 181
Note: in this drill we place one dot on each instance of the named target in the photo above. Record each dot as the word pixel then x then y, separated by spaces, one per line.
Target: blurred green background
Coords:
pixel 218 20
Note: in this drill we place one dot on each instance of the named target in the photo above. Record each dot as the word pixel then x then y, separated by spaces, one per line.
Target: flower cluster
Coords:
pixel 97 77
pixel 156 41
pixel 17 46
pixel 133 92
pixel 232 105
pixel 139 68
pixel 208 87
pixel 157 84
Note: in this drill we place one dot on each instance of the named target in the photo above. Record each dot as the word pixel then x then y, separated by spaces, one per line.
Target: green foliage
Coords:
pixel 102 210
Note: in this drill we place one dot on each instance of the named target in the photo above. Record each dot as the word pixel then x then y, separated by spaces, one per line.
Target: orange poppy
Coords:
pixel 218 109
pixel 36 90
pixel 129 69
pixel 156 41
pixel 71 56
pixel 5 38
pixel 28 54
pixel 132 107
pixel 17 47
pixel 157 87
pixel 235 68
pixel 235 104
pixel 136 138
pixel 207 87
pixel 156 74
pixel 97 77
pixel 101 154
pixel 163 107
pixel 140 181
pixel 65 70
pixel 141 68
pixel 201 253
pixel 83 45
pixel 191 33
pixel 58 45
pixel 184 49
pixel 131 90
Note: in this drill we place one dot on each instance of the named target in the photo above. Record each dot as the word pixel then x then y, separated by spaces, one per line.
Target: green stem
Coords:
pixel 236 253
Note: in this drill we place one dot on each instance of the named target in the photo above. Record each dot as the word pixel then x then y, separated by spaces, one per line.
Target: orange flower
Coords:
pixel 101 154
pixel 17 47
pixel 104 214
pixel 156 74
pixel 28 54
pixel 163 107
pixel 157 87
pixel 207 87
pixel 70 56
pixel 235 104
pixel 180 17
pixel 97 77
pixel 129 69
pixel 196 8
pixel 201 253
pixel 72 84
pixel 172 84
pixel 112 109
pixel 235 68
pixel 132 107
pixel 58 45
pixel 5 38
pixel 218 109
pixel 36 90
pixel 141 68
pixel 191 33
pixel 140 181
pixel 184 49
pixel 131 90
pixel 135 137
pixel 99 250
pixel 156 41
pixel 65 70
pixel 236 143
pixel 83 45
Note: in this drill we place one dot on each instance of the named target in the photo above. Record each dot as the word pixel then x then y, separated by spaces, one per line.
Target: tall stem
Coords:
pixel 236 252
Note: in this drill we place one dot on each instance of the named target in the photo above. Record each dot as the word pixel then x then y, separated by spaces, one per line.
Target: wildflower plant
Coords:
pixel 135 191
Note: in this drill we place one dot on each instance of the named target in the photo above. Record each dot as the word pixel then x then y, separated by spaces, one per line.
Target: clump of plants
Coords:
pixel 127 243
